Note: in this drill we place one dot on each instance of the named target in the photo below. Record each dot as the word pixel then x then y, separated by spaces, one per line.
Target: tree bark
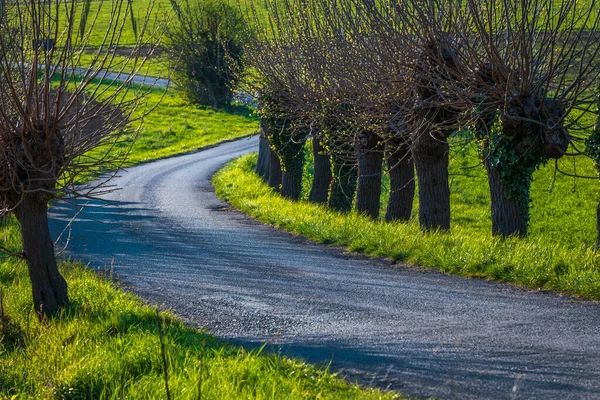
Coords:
pixel 262 163
pixel 291 185
pixel 430 154
pixel 48 286
pixel 598 225
pixel 402 180
pixel 509 217
pixel 319 192
pixel 292 157
pixel 370 159
pixel 275 173
pixel 343 184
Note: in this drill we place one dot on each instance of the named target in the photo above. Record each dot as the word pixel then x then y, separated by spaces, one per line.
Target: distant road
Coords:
pixel 121 77
pixel 420 332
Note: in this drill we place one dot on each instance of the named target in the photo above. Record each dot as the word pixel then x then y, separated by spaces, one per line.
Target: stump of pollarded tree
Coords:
pixel 292 158
pixel 435 123
pixel 38 155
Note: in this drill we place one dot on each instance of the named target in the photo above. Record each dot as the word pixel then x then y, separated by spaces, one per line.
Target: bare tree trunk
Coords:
pixel 343 183
pixel 598 225
pixel 319 192
pixel 275 173
pixel 48 286
pixel 402 180
pixel 292 156
pixel 370 159
pixel 291 185
pixel 431 160
pixel 262 163
pixel 509 217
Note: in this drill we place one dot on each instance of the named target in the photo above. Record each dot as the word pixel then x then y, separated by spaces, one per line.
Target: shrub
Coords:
pixel 208 41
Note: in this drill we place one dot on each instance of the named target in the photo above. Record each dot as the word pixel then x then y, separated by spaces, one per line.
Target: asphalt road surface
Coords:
pixel 422 333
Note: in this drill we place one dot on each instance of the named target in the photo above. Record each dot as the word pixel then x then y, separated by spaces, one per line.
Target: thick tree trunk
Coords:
pixel 343 184
pixel 598 225
pixel 275 173
pixel 369 153
pixel 293 168
pixel 431 161
pixel 509 217
pixel 48 286
pixel 319 192
pixel 402 180
pixel 262 163
pixel 291 185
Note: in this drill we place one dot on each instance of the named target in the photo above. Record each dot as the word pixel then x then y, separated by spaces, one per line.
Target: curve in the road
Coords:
pixel 422 333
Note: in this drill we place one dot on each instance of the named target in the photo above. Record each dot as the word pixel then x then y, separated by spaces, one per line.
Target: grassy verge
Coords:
pixel 555 256
pixel 108 345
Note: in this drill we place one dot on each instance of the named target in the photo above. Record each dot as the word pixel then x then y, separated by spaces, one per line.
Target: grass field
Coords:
pixel 158 12
pixel 557 255
pixel 175 126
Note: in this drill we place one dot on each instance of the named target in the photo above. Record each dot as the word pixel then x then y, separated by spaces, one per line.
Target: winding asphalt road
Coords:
pixel 422 333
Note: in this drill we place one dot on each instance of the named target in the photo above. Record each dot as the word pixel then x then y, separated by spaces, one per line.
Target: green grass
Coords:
pixel 159 65
pixel 156 66
pixel 107 345
pixel 557 255
pixel 175 126
pixel 166 124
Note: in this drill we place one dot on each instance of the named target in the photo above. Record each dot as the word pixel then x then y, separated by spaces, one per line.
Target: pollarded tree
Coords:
pixel 534 62
pixel 281 82
pixel 418 33
pixel 58 125
pixel 287 138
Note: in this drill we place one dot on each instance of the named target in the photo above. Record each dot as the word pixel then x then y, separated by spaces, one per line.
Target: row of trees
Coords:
pixel 398 83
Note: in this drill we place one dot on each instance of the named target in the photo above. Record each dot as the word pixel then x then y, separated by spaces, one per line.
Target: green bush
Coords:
pixel 208 41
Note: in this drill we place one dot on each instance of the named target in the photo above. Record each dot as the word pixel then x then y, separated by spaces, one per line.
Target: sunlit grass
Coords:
pixel 557 255
pixel 164 123
pixel 176 126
